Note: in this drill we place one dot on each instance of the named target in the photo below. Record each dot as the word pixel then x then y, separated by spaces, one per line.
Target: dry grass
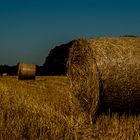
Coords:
pixel 41 110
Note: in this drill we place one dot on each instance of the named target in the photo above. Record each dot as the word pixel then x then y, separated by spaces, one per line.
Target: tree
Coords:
pixel 55 63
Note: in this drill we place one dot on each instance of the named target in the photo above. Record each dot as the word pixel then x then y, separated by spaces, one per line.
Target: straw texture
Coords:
pixel 26 71
pixel 105 73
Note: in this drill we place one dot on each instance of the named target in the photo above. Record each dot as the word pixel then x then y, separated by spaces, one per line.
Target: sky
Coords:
pixel 29 29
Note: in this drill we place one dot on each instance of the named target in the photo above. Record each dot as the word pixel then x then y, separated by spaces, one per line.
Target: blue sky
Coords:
pixel 29 29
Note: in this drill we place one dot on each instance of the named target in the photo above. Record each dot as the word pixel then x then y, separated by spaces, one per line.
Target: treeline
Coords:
pixel 12 70
pixel 55 63
pixel 8 70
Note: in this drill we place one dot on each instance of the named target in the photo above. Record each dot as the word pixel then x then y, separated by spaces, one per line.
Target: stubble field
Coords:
pixel 41 110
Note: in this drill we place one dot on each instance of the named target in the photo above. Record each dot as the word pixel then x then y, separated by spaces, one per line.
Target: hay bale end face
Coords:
pixel 105 73
pixel 26 71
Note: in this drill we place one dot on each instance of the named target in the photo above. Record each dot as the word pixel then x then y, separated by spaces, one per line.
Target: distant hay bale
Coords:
pixel 4 74
pixel 26 71
pixel 105 72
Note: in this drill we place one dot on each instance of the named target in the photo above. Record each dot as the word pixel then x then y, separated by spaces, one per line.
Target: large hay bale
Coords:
pixel 26 71
pixel 106 72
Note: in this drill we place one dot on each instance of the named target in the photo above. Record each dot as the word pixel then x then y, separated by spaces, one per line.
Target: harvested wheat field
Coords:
pixel 40 109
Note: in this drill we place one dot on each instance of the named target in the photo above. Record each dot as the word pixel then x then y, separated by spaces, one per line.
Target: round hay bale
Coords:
pixel 26 71
pixel 105 73
pixel 4 74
